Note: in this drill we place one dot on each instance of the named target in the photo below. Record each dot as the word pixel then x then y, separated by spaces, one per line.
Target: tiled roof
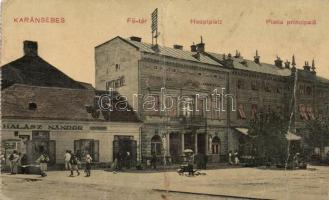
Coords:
pixel 322 80
pixel 54 103
pixel 252 66
pixel 33 70
pixel 172 52
pixel 211 58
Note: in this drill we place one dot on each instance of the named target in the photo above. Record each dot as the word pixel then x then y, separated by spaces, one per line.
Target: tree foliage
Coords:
pixel 318 134
pixel 268 137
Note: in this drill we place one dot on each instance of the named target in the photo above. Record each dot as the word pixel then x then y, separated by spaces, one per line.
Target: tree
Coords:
pixel 318 134
pixel 268 137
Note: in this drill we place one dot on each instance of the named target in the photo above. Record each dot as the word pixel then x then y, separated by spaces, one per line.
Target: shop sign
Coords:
pixel 42 127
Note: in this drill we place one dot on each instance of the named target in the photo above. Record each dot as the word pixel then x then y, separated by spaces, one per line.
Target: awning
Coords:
pixel 291 136
pixel 244 131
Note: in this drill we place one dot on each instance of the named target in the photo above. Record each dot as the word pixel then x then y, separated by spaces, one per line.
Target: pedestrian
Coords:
pixel 230 158
pixel 114 165
pixel 74 165
pixel 198 160
pixel 88 165
pixel 43 161
pixel 24 163
pixel 296 161
pixel 154 161
pixel 236 158
pixel 13 162
pixel 67 158
pixel 120 159
pixel 128 160
pixel 205 161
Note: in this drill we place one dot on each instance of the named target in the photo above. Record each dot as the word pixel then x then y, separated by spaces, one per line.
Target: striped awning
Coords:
pixel 244 131
pixel 291 136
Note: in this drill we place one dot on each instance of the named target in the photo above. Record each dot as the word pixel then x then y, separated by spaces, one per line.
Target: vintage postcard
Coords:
pixel 169 100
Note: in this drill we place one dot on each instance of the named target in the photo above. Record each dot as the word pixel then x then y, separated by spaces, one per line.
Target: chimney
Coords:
pixel 293 63
pixel 176 46
pixel 256 58
pixel 200 46
pixel 278 62
pixel 287 64
pixel 237 54
pixel 193 47
pixel 136 39
pixel 313 66
pixel 307 67
pixel 229 61
pixel 30 48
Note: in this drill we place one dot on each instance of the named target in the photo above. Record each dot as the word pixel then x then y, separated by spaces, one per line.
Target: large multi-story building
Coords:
pixel 139 70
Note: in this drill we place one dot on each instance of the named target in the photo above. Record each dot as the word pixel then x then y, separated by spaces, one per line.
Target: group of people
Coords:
pixel 233 158
pixel 72 163
pixel 18 163
pixel 15 161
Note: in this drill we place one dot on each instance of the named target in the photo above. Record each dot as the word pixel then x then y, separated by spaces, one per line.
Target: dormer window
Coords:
pixel 32 106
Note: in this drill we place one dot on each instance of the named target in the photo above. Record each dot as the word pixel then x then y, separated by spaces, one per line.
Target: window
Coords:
pixel 253 111
pixel 188 107
pixel 267 86
pixel 240 84
pixel 156 145
pixel 302 112
pixel 32 106
pixel 117 67
pixel 254 85
pixel 308 90
pixel 172 109
pixel 301 89
pixel 310 113
pixel 215 145
pixel 155 67
pixel 279 110
pixel 241 113
pixel 87 146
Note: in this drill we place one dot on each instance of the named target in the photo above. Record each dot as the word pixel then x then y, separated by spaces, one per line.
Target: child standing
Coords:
pixel 88 165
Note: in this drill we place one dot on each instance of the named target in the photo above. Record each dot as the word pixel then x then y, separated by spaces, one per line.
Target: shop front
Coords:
pixel 99 139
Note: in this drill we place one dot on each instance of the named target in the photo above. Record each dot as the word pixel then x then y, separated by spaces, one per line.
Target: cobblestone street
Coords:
pixel 216 184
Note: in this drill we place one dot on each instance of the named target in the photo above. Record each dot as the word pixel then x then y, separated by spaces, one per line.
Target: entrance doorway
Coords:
pixel 125 148
pixel 39 144
pixel 34 148
pixel 201 143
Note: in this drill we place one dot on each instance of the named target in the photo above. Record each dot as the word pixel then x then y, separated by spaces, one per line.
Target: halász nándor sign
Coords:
pixel 42 127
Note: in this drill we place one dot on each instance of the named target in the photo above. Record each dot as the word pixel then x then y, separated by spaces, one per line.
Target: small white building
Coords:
pixel 44 110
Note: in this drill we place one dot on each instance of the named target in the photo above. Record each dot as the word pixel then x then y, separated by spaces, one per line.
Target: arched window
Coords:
pixel 215 145
pixel 156 145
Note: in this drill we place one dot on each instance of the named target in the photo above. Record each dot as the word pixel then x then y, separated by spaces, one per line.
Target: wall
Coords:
pixel 114 59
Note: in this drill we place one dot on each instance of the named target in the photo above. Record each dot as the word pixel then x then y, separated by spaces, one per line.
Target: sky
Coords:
pixel 69 46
